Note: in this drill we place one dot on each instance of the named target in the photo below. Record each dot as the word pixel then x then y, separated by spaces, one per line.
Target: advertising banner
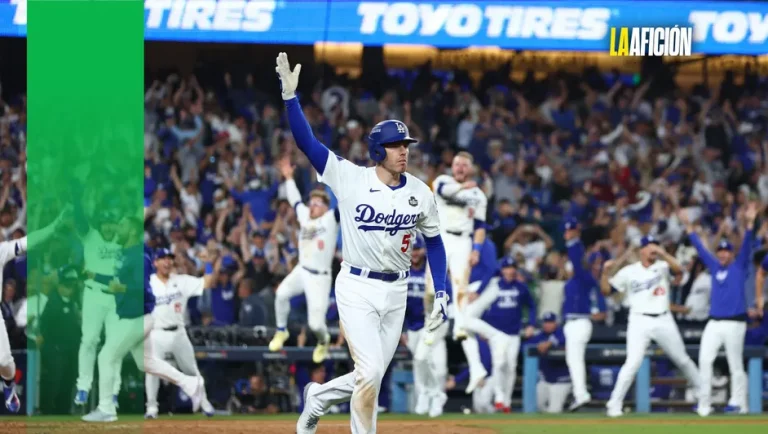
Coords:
pixel 719 27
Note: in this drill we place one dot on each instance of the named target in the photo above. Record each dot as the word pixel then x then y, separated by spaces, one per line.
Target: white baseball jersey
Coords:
pixel 9 250
pixel 378 223
pixel 317 237
pixel 171 298
pixel 646 289
pixel 100 255
pixel 458 208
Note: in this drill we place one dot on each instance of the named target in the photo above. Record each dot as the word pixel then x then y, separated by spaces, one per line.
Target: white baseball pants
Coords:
pixel 719 333
pixel 7 364
pixel 640 331
pixel 98 311
pixel 371 314
pixel 577 333
pixel 316 288
pixel 135 336
pixel 170 343
pixel 551 397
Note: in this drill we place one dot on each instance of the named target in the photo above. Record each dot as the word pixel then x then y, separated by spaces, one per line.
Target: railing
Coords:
pixel 617 353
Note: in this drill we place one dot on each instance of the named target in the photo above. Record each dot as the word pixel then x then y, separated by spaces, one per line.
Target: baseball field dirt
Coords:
pixel 398 424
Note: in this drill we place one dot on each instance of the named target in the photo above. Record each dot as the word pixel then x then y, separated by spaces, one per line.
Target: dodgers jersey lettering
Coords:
pixel 506 314
pixel 647 289
pixel 172 296
pixel 379 223
pixel 459 208
pixel 100 255
pixel 317 237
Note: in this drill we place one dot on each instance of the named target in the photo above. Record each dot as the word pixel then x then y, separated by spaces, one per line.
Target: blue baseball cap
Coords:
pixel 725 245
pixel 419 243
pixel 549 317
pixel 507 261
pixel 163 253
pixel 570 223
pixel 648 239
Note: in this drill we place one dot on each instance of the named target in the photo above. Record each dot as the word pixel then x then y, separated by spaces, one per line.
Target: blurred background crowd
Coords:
pixel 620 153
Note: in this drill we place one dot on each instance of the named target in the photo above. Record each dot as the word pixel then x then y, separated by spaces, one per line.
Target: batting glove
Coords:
pixel 289 80
pixel 437 317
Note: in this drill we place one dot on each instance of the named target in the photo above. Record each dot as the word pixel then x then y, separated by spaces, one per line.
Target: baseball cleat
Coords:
pixel 422 404
pixel 319 354
pixel 198 397
pixel 99 416
pixel 734 409
pixel 307 423
pixel 578 403
pixel 475 380
pixel 276 344
pixel 702 411
pixel 460 335
pixel 501 408
pixel 436 407
pixel 207 408
pixel 151 413
pixel 81 397
pixel 614 412
pixel 12 402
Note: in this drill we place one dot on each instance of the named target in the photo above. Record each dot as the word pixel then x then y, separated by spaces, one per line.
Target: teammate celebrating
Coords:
pixel 134 303
pixel 462 206
pixel 554 386
pixel 503 298
pixel 727 323
pixel 9 250
pixel 172 291
pixel 577 308
pixel 382 209
pixel 312 275
pixel 100 251
pixel 479 278
pixel 429 358
pixel 646 284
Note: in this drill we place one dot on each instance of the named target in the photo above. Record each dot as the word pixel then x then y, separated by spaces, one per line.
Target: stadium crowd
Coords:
pixel 621 157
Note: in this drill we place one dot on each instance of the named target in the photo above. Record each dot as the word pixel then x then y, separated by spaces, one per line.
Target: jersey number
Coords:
pixel 177 307
pixel 659 291
pixel 406 243
pixel 471 213
pixel 320 244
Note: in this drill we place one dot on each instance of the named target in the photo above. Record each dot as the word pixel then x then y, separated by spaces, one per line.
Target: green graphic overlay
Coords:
pixel 85 171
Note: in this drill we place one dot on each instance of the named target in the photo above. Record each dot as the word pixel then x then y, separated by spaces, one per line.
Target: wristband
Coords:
pixel 208 268
pixel 477 247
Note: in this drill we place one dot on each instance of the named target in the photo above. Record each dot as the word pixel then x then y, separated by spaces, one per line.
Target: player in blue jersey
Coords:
pixel 577 311
pixel 479 277
pixel 430 357
pixel 134 303
pixel 727 323
pixel 554 384
pixel 503 298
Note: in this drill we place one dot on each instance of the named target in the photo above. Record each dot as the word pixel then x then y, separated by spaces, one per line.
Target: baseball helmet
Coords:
pixel 386 132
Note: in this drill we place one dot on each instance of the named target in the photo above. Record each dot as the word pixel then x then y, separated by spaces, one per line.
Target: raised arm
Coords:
pixel 705 255
pixel 292 191
pixel 745 251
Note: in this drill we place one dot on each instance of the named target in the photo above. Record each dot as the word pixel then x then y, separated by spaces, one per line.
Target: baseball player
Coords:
pixel 462 207
pixel 646 285
pixel 482 396
pixel 503 298
pixel 481 274
pixel 10 250
pixel 577 310
pixel 382 210
pixel 100 253
pixel 727 314
pixel 134 303
pixel 172 292
pixel 430 356
pixel 554 384
pixel 312 275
